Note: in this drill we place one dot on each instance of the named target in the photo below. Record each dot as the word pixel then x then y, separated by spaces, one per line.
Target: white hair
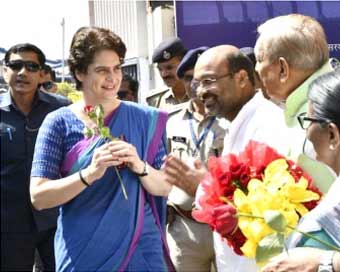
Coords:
pixel 300 39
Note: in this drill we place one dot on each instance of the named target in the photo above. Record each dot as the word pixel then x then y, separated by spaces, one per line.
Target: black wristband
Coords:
pixel 82 179
pixel 145 170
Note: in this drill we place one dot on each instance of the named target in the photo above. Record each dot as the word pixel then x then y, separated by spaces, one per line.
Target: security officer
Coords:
pixel 168 55
pixel 22 109
pixel 191 135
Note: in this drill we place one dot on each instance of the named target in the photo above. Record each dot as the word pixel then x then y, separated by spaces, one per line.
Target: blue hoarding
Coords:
pixel 212 23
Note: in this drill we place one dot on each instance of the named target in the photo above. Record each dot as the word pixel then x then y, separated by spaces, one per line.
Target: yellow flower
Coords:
pixel 241 201
pixel 277 192
pixel 297 192
pixel 249 248
pixel 276 175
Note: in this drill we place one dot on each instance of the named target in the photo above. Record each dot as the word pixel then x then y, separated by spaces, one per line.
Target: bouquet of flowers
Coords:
pixel 255 199
pixel 96 115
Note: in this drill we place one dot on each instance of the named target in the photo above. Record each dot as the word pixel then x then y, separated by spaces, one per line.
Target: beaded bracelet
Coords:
pixel 82 179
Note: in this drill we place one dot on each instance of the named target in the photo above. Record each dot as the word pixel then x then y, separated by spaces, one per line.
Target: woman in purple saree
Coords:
pixel 98 229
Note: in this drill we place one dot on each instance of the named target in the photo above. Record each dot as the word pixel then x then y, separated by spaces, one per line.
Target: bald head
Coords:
pixel 216 56
pixel 224 80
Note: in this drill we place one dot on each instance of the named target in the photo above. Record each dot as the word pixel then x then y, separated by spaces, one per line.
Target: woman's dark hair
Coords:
pixel 324 94
pixel 26 47
pixel 88 41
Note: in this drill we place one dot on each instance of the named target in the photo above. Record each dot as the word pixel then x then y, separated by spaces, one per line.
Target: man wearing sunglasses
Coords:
pixel 48 83
pixel 23 108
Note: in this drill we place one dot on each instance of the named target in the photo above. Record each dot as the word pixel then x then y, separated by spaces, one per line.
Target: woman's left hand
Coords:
pixel 124 152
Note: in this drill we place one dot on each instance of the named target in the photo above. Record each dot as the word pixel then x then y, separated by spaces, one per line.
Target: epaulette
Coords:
pixel 156 91
pixel 176 108
pixel 153 98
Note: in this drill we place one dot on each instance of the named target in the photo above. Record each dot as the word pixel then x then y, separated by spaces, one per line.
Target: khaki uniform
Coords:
pixel 164 99
pixel 191 243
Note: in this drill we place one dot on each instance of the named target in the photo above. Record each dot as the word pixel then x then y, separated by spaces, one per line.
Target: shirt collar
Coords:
pixel 6 99
pixel 189 109
pixel 170 95
pixel 297 100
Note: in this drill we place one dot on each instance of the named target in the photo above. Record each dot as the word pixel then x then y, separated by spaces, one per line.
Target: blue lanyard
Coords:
pixel 196 141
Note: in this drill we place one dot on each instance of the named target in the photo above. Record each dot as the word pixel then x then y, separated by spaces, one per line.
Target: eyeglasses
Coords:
pixel 305 121
pixel 207 83
pixel 17 65
pixel 48 85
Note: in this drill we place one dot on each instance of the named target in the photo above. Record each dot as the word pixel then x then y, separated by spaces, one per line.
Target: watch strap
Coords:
pixel 145 170
pixel 326 262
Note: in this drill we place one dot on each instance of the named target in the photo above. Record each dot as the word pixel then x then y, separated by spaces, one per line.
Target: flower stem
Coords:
pixel 294 229
pixel 249 215
pixel 121 183
pixel 315 238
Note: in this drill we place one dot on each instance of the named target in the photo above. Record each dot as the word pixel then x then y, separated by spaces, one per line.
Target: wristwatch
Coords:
pixel 145 170
pixel 326 262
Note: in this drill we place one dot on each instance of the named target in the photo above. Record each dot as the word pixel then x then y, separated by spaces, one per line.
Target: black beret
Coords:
pixel 249 52
pixel 189 60
pixel 168 49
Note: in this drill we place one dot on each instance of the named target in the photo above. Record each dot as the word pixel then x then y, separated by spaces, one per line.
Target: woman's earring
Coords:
pixel 332 147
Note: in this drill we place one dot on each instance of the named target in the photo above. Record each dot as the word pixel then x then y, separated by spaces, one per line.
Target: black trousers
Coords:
pixel 18 250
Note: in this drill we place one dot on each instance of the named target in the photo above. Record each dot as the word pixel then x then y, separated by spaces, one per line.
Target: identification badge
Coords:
pixel 179 139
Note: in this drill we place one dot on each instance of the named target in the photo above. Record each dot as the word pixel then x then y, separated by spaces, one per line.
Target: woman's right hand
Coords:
pixel 102 159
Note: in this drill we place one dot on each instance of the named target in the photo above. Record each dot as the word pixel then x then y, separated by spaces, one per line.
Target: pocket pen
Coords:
pixel 9 131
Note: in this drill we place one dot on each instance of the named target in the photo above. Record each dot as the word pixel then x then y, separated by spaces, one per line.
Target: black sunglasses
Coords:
pixel 305 121
pixel 17 65
pixel 47 85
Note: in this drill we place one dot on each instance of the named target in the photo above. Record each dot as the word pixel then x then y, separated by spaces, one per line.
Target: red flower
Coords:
pixel 230 172
pixel 88 108
pixel 225 219
pixel 236 241
pixel 258 155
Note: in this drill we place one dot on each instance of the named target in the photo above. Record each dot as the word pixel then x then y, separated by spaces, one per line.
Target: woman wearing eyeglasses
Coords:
pixel 322 124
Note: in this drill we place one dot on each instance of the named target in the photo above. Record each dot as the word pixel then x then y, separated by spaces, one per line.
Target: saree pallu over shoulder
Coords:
pixel 99 230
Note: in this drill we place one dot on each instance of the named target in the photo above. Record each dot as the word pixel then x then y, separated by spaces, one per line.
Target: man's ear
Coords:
pixel 42 76
pixel 284 70
pixel 334 137
pixel 242 77
pixel 5 74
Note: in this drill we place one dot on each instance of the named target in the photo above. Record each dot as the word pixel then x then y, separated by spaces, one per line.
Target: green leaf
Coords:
pixel 99 110
pixel 88 132
pixel 92 116
pixel 105 132
pixel 275 220
pixel 269 246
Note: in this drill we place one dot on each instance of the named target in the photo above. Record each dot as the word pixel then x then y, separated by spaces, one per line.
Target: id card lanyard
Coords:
pixel 203 135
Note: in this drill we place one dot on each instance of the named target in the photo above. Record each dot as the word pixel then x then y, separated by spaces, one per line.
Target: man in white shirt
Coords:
pixel 224 80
